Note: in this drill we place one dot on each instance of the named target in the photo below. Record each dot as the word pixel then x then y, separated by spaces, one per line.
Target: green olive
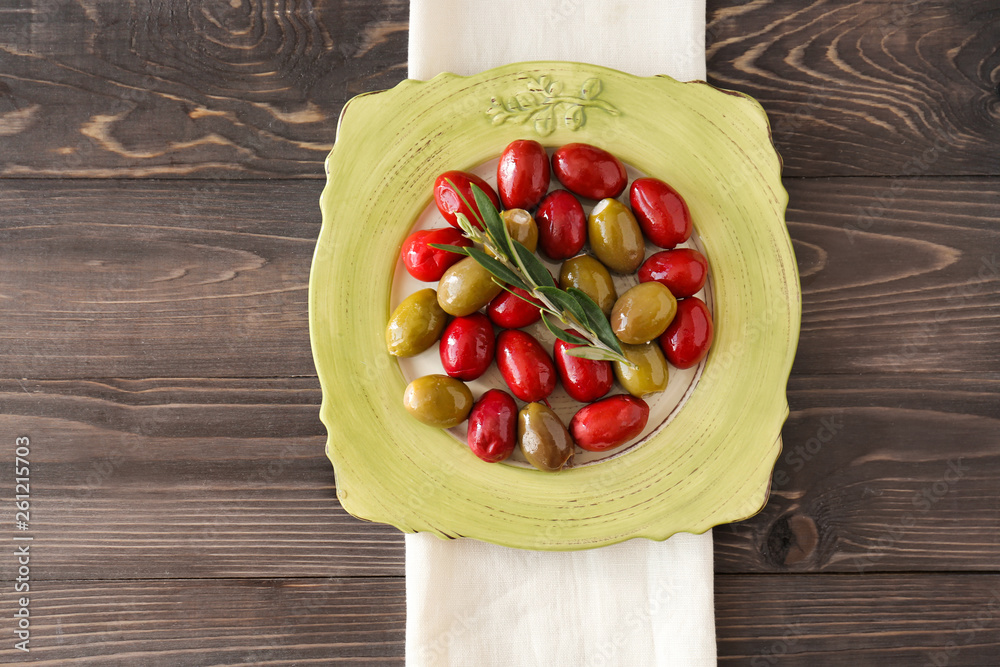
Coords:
pixel 438 400
pixel 522 227
pixel 643 313
pixel 615 236
pixel 591 277
pixel 465 288
pixel 651 372
pixel 415 324
pixel 544 440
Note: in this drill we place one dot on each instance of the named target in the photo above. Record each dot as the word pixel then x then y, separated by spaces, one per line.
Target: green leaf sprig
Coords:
pixel 513 265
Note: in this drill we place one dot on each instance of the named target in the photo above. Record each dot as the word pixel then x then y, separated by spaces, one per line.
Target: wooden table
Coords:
pixel 161 167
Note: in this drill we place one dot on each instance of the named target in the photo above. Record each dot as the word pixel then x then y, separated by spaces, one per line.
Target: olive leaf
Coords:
pixel 496 268
pixel 460 217
pixel 457 249
pixel 596 320
pixel 595 353
pixel 533 269
pixel 566 302
pixel 495 226
pixel 562 334
pixel 464 224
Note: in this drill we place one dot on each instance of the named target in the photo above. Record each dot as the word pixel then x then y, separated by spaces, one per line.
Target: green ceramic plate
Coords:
pixel 711 462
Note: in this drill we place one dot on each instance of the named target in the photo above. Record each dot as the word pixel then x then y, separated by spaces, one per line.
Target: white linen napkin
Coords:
pixel 639 603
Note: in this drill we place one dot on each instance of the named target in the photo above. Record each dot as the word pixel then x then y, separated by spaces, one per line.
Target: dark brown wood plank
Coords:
pixel 227 478
pixel 897 274
pixel 185 478
pixel 852 87
pixel 104 89
pixel 761 620
pixel 917 620
pixel 214 622
pixel 137 279
pixel 879 472
pixel 187 279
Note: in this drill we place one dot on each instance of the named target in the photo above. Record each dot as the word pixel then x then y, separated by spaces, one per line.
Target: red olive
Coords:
pixel 513 312
pixel 493 426
pixel 427 263
pixel 609 423
pixel 661 212
pixel 585 380
pixel 449 202
pixel 522 174
pixel 562 225
pixel 682 270
pixel 589 171
pixel 687 339
pixel 525 365
pixel 467 346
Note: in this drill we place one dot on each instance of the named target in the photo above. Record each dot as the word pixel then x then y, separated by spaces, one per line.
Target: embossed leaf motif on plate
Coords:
pixel 542 105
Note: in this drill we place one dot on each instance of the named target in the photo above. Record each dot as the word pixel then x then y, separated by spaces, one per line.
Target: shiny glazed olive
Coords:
pixel 467 346
pixel 615 236
pixel 438 400
pixel 589 171
pixel 562 225
pixel 609 423
pixel 522 227
pixel 522 174
pixel 415 324
pixel 544 440
pixel 585 380
pixel 661 211
pixel 525 365
pixel 453 190
pixel 493 426
pixel 591 277
pixel 643 313
pixel 651 373
pixel 465 288
pixel 686 341
pixel 510 311
pixel 426 263
pixel 682 270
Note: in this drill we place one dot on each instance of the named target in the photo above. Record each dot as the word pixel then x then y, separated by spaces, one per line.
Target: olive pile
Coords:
pixel 657 321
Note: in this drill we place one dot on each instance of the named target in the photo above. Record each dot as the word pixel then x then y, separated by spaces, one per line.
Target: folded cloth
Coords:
pixel 636 604
pixel 639 603
pixel 644 38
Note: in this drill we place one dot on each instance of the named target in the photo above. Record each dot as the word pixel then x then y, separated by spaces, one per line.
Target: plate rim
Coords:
pixel 343 471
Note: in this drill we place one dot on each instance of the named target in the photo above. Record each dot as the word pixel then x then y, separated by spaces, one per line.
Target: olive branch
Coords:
pixel 545 105
pixel 512 264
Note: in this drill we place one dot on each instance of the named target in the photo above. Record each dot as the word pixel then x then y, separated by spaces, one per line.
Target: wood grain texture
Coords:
pixel 227 478
pixel 253 88
pixel 188 478
pixel 138 279
pixel 246 88
pixel 204 622
pixel 854 87
pixel 897 274
pixel 916 620
pixel 762 620
pixel 209 279
pixel 889 472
